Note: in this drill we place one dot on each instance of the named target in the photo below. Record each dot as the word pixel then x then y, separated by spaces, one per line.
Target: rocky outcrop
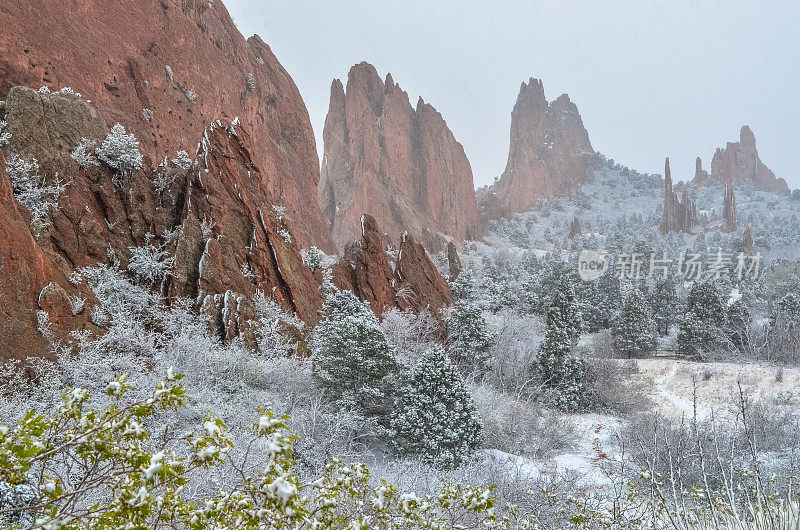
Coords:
pixel 399 164
pixel 739 162
pixel 729 209
pixel 414 282
pixel 574 228
pixel 453 261
pixel 31 281
pixel 419 284
pixel 700 174
pixel 94 214
pixel 548 155
pixel 234 239
pixel 679 215
pixel 747 240
pixel 167 69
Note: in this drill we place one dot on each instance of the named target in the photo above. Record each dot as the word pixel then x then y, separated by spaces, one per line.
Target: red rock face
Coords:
pixel 700 174
pixel 401 165
pixel 747 240
pixel 246 245
pixel 187 63
pixel 680 215
pixel 739 162
pixel 548 155
pixel 94 215
pixel 30 281
pixel 415 283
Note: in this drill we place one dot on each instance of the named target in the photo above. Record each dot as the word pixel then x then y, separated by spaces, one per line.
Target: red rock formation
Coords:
pixel 548 155
pixel 700 174
pixel 187 63
pixel 415 283
pixel 680 215
pixel 574 228
pixel 729 209
pixel 419 283
pixel 93 214
pixel 399 164
pixel 247 244
pixel 30 281
pixel 739 162
pixel 747 240
pixel 453 261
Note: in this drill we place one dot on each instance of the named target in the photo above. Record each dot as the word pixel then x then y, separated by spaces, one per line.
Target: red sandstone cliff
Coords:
pixel 187 63
pixel 739 162
pixel 414 282
pixel 399 164
pixel 31 281
pixel 548 155
pixel 679 215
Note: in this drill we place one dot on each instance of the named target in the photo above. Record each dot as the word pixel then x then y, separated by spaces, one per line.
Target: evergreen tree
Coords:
pixel 351 357
pixel 468 337
pixel 664 304
pixel 435 416
pixel 634 330
pixel 701 331
pixel 554 365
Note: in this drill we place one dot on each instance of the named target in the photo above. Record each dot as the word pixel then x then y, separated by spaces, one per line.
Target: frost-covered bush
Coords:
pixel 58 465
pixel 435 416
pixel 351 357
pixel 149 262
pixel 285 235
pixel 411 334
pixel 316 259
pixel 31 189
pixel 182 160
pixel 147 115
pixel 83 154
pixel 120 151
pixel 5 136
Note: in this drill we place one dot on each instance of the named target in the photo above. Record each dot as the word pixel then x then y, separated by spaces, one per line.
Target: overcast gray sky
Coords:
pixel 651 78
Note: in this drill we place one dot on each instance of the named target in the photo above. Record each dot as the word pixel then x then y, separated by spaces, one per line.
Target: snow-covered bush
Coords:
pixel 31 189
pixel 5 136
pixel 285 235
pixel 411 334
pixel 120 151
pixel 141 473
pixel 182 160
pixel 435 416
pixel 83 154
pixel 147 115
pixel 149 262
pixel 351 357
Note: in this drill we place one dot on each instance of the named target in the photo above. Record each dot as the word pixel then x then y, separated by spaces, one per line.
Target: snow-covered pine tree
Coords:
pixel 701 330
pixel 555 366
pixel 435 416
pixel 468 337
pixel 634 330
pixel 664 303
pixel 351 357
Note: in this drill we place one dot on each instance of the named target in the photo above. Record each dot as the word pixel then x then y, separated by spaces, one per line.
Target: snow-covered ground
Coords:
pixel 675 386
